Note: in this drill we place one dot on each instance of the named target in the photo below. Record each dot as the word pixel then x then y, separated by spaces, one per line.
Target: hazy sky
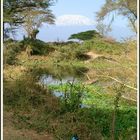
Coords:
pixel 73 16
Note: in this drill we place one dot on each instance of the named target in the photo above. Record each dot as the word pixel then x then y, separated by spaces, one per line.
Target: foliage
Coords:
pixel 38 47
pixel 34 18
pixel 11 10
pixel 30 13
pixel 71 99
pixel 34 108
pixel 127 8
pixel 85 35
pixel 11 15
pixel 67 52
pixel 92 111
pixel 85 110
pixel 91 95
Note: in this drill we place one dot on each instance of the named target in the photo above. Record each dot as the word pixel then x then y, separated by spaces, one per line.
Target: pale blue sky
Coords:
pixel 82 15
pixel 81 7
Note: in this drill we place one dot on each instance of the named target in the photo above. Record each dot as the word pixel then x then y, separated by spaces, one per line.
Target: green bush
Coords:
pixel 38 47
pixel 72 98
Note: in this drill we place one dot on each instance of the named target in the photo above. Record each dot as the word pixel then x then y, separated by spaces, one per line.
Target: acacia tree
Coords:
pixel 35 16
pixel 127 8
pixel 18 12
pixel 87 35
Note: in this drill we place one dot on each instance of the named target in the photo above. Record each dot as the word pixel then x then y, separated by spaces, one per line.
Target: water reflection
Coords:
pixel 50 80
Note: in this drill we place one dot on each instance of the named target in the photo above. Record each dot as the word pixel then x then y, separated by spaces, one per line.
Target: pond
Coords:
pixel 94 93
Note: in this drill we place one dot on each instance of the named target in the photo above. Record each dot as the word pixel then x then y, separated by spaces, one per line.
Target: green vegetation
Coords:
pixel 85 35
pixel 35 108
pixel 28 14
pixel 90 110
pixel 60 89
pixel 104 46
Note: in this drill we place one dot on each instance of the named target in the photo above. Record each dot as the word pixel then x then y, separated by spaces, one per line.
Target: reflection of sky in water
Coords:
pixel 58 94
pixel 50 80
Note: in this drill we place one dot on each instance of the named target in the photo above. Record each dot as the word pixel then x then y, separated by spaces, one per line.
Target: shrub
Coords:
pixel 71 99
pixel 38 47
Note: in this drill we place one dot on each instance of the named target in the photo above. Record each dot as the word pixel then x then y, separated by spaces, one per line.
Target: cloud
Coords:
pixel 73 20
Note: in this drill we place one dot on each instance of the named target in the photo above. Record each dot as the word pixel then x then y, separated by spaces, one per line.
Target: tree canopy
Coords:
pixel 85 35
pixel 31 12
pixel 34 17
pixel 127 8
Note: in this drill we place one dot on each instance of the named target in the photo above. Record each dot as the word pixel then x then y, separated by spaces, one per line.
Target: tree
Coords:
pixel 127 8
pixel 34 17
pixel 85 35
pixel 11 10
pixel 18 12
